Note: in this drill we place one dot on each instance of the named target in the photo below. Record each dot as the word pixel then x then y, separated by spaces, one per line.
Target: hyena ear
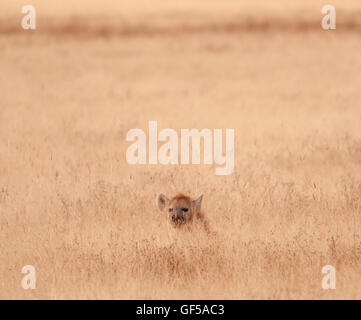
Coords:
pixel 161 201
pixel 197 203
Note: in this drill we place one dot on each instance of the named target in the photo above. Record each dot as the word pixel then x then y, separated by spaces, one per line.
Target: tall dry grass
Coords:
pixel 72 207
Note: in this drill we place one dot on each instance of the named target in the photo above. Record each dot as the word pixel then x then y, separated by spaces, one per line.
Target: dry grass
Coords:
pixel 71 206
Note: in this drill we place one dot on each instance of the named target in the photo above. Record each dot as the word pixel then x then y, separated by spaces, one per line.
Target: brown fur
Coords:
pixel 183 211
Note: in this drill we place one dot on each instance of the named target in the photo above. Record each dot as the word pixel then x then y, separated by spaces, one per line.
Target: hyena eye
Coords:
pixel 170 209
pixel 184 209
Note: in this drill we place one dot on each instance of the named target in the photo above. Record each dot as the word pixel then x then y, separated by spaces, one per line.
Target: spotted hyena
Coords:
pixel 182 210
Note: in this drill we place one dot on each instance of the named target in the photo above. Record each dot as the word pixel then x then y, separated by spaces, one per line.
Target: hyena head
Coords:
pixel 180 209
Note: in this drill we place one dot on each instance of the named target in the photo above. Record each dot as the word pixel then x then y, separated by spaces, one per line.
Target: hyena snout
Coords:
pixel 177 219
pixel 178 216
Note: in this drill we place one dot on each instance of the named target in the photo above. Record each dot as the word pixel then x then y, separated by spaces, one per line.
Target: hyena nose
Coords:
pixel 177 217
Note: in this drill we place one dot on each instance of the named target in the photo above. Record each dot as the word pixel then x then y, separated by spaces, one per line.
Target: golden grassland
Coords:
pixel 71 206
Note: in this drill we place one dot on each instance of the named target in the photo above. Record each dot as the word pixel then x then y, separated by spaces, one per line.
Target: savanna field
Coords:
pixel 71 205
